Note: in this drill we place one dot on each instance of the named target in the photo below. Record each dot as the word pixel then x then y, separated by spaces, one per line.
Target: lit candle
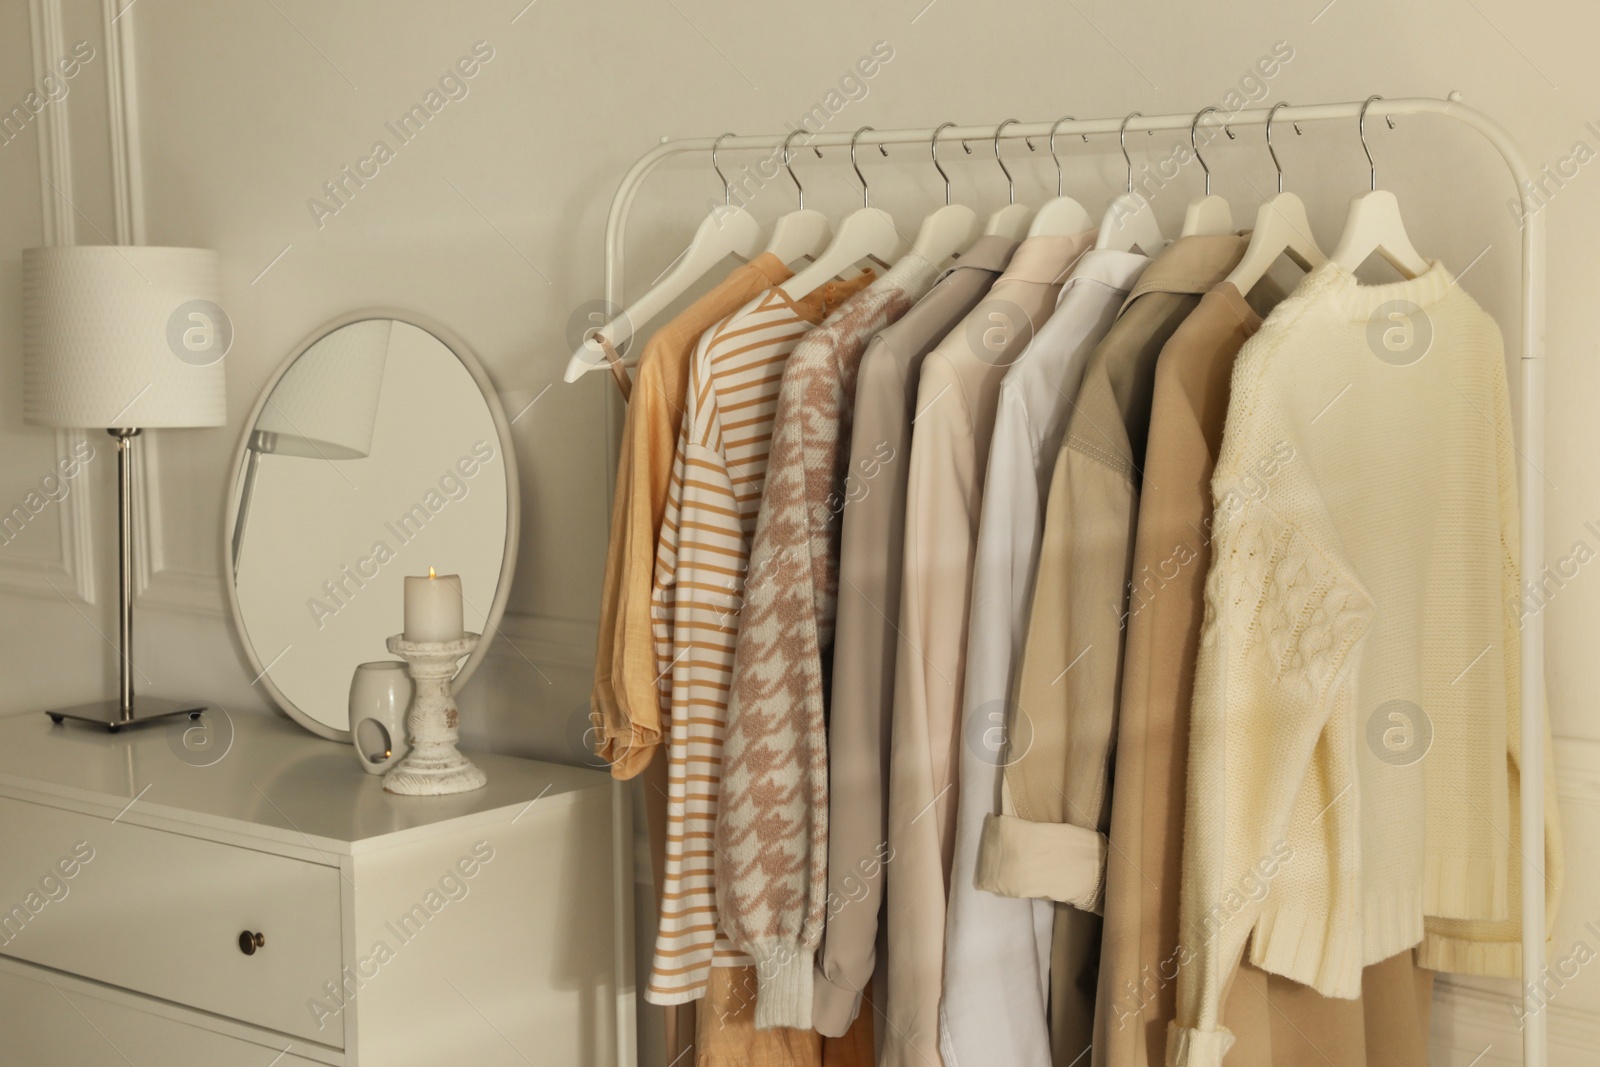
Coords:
pixel 433 607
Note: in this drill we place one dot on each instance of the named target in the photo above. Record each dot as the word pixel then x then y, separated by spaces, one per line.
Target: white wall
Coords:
pixel 490 222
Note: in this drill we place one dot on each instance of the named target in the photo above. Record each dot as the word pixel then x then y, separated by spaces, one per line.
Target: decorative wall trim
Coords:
pixel 1469 1022
pixel 548 642
pixel 127 216
pixel 122 121
pixel 73 575
pixel 643 872
pixel 1577 769
pixel 186 593
pixel 157 584
pixel 52 128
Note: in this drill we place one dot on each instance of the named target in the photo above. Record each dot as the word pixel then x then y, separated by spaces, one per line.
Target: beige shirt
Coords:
pixel 1277 1022
pixel 956 400
pixel 997 948
pixel 624 708
pixel 1055 805
pixel 1048 840
pixel 871 534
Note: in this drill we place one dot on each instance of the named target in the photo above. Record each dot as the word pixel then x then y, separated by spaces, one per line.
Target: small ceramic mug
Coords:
pixel 380 695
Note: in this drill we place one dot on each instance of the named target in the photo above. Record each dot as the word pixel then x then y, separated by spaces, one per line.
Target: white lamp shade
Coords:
pixel 98 324
pixel 326 403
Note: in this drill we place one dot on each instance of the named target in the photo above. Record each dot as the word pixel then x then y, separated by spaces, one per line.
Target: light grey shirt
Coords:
pixel 864 635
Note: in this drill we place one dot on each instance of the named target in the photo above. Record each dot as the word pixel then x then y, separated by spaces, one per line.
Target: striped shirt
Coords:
pixel 718 475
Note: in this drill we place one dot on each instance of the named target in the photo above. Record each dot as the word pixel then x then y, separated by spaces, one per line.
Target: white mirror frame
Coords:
pixel 502 427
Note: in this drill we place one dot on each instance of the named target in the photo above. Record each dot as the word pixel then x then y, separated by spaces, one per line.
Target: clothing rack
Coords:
pixel 1530 425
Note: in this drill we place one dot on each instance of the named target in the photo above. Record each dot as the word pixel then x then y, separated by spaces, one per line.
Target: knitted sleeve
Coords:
pixel 1282 618
pixel 772 828
pixel 1494 947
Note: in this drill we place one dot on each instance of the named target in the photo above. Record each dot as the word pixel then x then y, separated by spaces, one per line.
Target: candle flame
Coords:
pixel 431 574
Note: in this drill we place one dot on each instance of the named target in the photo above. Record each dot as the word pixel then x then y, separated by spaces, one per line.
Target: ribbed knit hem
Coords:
pixel 833 1007
pixel 1301 946
pixel 1054 861
pixel 1494 959
pixel 1468 887
pixel 783 985
pixel 1197 1048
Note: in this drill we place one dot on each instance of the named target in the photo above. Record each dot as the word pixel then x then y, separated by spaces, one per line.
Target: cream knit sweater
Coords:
pixel 1353 769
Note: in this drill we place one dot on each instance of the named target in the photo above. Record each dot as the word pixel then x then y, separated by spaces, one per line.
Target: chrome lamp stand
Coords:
pixel 125 710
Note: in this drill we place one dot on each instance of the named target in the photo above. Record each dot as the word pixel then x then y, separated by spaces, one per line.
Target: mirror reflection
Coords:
pixel 375 456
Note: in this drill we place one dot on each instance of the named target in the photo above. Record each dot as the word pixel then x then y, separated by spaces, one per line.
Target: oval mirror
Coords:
pixel 378 450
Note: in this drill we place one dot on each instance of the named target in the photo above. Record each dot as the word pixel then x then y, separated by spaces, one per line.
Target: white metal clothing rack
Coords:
pixel 1530 422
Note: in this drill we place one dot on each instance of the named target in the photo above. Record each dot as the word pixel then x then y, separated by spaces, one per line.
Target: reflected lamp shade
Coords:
pixel 123 336
pixel 326 404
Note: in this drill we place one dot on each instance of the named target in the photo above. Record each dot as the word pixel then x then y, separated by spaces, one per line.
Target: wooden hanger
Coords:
pixel 1373 223
pixel 868 233
pixel 1062 216
pixel 1130 221
pixel 951 229
pixel 1209 214
pixel 728 230
pixel 802 233
pixel 1282 229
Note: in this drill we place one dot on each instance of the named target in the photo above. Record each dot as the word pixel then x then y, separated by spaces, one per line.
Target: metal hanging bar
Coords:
pixel 1531 420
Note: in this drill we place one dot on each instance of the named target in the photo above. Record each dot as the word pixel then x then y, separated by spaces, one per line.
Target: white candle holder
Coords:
pixel 433 767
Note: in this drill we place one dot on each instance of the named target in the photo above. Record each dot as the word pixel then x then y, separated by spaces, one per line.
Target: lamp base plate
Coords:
pixel 108 713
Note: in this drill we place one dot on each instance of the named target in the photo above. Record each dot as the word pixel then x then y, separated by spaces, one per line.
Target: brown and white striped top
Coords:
pixel 718 476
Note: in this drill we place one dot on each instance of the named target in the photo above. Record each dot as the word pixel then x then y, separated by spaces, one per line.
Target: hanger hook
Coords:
pixel 1011 186
pixel 866 199
pixel 933 150
pixel 1195 147
pixel 1060 182
pixel 799 189
pixel 1361 126
pixel 1122 139
pixel 727 189
pixel 1272 151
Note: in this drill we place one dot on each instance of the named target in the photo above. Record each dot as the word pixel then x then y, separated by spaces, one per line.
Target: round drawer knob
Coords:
pixel 249 942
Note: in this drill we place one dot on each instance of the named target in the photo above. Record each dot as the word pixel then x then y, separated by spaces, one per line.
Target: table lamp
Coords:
pixel 123 338
pixel 324 407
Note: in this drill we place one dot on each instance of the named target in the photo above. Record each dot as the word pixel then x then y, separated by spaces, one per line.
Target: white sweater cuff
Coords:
pixel 783 986
pixel 1055 861
pixel 1197 1048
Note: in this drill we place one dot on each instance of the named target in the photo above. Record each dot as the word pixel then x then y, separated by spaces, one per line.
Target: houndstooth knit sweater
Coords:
pixel 772 824
pixel 1354 745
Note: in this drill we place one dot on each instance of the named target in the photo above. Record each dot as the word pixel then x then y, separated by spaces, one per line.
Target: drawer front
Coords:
pixel 46 1022
pixel 161 913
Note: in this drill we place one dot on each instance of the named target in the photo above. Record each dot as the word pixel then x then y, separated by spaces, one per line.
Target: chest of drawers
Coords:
pixel 257 895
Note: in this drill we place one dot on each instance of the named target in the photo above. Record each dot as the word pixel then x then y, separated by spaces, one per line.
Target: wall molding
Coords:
pixel 127 223
pixel 1469 1022
pixel 157 584
pixel 550 642
pixel 72 575
pixel 1576 761
pixel 122 121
